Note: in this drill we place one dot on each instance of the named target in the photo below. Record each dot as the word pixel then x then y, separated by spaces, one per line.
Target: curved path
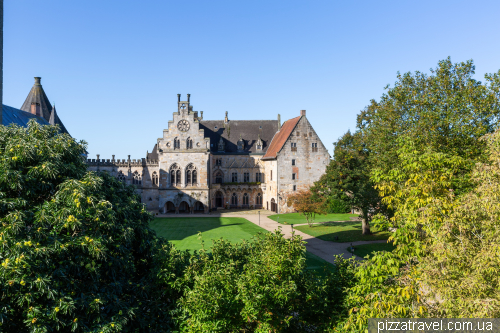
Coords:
pixel 323 249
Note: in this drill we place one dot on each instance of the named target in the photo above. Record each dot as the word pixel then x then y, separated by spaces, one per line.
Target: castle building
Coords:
pixel 198 165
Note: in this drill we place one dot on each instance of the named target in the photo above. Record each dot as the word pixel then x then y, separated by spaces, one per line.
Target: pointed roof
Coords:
pixel 38 96
pixel 280 138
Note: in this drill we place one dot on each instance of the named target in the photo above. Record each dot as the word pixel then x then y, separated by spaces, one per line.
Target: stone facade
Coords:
pixel 201 165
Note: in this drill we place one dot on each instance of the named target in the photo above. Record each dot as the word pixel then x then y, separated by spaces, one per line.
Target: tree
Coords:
pixel 448 111
pixel 261 286
pixel 307 204
pixel 76 250
pixel 347 177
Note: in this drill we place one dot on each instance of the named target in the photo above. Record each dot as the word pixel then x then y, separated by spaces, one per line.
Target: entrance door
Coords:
pixel 219 199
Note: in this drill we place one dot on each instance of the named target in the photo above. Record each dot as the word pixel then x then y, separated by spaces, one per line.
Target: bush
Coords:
pixel 76 250
pixel 260 286
pixel 337 206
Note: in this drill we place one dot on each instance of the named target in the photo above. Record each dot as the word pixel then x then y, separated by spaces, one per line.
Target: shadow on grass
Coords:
pixel 342 232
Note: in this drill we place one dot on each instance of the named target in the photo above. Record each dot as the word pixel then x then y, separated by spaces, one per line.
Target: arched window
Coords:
pixel 154 179
pixel 245 199
pixel 191 175
pixel 121 177
pixel 177 143
pixel 219 176
pixel 175 174
pixel 189 143
pixel 258 199
pixel 137 178
pixel 234 199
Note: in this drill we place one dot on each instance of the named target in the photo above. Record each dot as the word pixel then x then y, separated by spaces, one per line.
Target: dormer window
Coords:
pixel 259 143
pixel 241 144
pixel 221 146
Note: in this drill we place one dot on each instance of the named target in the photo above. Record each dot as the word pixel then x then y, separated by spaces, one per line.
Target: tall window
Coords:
pixel 246 177
pixel 154 179
pixel 258 177
pixel 258 199
pixel 293 176
pixel 177 143
pixel 175 174
pixel 294 146
pixel 295 187
pixel 137 178
pixel 191 175
pixel 234 199
pixel 245 199
pixel 234 177
pixel 219 176
pixel 293 162
pixel 121 177
pixel 189 143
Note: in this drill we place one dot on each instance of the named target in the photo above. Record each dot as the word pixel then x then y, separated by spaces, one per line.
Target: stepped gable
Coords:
pixel 281 137
pixel 231 130
pixel 153 156
pixel 15 116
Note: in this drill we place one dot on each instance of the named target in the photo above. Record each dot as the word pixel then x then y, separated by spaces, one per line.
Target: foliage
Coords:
pixel 347 178
pixel 447 111
pixel 307 204
pixel 342 232
pixel 336 206
pixel 446 261
pixel 76 250
pixel 381 222
pixel 260 286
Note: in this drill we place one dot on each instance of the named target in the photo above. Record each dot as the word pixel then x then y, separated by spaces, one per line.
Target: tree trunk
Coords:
pixel 365 225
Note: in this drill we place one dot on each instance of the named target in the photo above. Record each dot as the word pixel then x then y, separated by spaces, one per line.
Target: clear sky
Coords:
pixel 114 68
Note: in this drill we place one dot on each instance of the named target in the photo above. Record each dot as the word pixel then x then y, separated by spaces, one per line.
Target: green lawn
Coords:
pixel 368 249
pixel 183 233
pixel 345 231
pixel 296 218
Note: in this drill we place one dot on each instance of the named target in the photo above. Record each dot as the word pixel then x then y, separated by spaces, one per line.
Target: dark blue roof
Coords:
pixel 12 115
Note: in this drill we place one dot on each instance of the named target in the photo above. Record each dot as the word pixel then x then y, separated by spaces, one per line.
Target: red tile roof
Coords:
pixel 281 137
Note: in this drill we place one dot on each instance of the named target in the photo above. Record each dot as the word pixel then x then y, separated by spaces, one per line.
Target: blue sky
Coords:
pixel 114 68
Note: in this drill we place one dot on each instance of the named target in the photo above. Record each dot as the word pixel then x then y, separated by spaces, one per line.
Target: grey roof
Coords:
pixel 153 156
pixel 249 130
pixel 37 95
pixel 12 115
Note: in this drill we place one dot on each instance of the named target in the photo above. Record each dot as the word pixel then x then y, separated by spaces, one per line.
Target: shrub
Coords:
pixel 337 206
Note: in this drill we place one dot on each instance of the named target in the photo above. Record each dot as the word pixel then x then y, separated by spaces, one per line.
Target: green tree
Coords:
pixel 76 250
pixel 448 111
pixel 347 178
pixel 261 286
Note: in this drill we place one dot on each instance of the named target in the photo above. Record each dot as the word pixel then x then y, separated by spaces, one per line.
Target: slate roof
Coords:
pixel 281 137
pixel 230 133
pixel 152 156
pixel 37 95
pixel 15 116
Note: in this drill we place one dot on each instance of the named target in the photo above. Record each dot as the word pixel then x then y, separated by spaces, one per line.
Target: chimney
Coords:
pixel 189 97
pixel 303 113
pixel 178 98
pixel 35 109
pixel 226 119
pixel 279 122
pixel 37 80
pixel 201 112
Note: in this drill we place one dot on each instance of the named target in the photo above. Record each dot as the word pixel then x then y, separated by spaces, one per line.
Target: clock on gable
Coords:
pixel 183 125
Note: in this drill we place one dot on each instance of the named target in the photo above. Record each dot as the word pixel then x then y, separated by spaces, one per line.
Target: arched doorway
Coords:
pixel 198 207
pixel 184 208
pixel 169 207
pixel 219 199
pixel 274 207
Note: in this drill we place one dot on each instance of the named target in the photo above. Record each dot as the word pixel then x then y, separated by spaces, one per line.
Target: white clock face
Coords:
pixel 183 125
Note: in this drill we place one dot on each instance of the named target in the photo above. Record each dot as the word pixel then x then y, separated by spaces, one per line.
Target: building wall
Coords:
pixel 310 163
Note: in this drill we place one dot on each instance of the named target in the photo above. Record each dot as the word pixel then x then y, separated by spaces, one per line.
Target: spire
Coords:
pixel 53 116
pixel 38 98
